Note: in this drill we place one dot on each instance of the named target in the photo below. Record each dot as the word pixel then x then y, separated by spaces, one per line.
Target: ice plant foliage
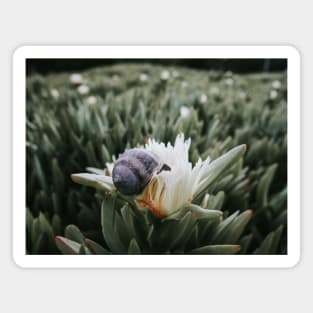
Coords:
pixel 212 215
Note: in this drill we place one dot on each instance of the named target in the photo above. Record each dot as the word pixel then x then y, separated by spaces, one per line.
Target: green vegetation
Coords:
pixel 85 121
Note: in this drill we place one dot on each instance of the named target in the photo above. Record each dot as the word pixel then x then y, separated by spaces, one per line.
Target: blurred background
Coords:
pixel 44 66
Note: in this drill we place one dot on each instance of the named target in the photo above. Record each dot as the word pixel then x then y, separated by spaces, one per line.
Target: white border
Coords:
pixel 155 261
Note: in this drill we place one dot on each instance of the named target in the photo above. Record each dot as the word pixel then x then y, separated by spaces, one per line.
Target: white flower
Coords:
pixel 143 77
pixel 54 93
pixel 214 90
pixel 116 77
pixel 83 89
pixel 273 94
pixel 203 98
pixel 228 74
pixel 184 84
pixel 165 75
pixel 175 74
pixel 229 81
pixel 242 95
pixel 184 111
pixel 276 84
pixel 169 190
pixel 76 79
pixel 91 100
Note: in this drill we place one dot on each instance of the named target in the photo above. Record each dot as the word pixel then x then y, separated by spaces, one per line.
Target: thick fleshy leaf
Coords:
pixel 45 226
pixel 101 182
pixel 270 243
pixel 183 231
pixel 217 249
pixel 108 229
pixel 94 170
pixel 232 231
pixel 264 185
pixel 67 246
pixel 133 247
pixel 217 167
pixel 199 212
pixel 94 247
pixel 72 232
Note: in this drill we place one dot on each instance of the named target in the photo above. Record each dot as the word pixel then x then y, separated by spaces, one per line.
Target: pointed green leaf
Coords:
pixel 218 166
pixel 45 226
pixel 39 173
pixel 199 212
pixel 56 224
pixel 107 221
pixel 94 170
pixel 232 232
pixel 58 177
pixel 217 249
pixel 72 232
pixel 264 185
pixel 35 230
pixel 67 246
pixel 133 247
pixel 101 182
pixel 222 227
pixel 270 243
pixel 94 247
pixel 29 218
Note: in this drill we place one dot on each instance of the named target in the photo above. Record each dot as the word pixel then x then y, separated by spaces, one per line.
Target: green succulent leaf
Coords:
pixel 94 247
pixel 101 182
pixel 67 246
pixel 199 212
pixel 270 243
pixel 72 232
pixel 230 230
pixel 108 222
pixel 217 249
pixel 217 167
pixel 133 247
pixel 126 104
pixel 264 185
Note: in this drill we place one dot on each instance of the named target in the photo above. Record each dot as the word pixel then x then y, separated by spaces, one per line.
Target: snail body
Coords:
pixel 134 169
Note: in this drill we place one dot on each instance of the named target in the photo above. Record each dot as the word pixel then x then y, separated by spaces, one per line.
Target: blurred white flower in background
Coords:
pixel 273 94
pixel 143 77
pixel 242 95
pixel 203 98
pixel 276 84
pixel 229 81
pixel 175 74
pixel 116 77
pixel 91 100
pixel 214 90
pixel 83 89
pixel 184 111
pixel 184 84
pixel 165 75
pixel 228 74
pixel 55 93
pixel 76 79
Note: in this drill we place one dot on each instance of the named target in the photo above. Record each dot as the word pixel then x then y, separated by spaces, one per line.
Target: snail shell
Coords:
pixel 134 169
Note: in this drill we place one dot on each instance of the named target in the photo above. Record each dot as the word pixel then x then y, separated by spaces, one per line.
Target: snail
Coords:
pixel 134 169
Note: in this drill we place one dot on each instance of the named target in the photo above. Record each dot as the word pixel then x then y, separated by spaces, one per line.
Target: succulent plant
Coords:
pixel 242 205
